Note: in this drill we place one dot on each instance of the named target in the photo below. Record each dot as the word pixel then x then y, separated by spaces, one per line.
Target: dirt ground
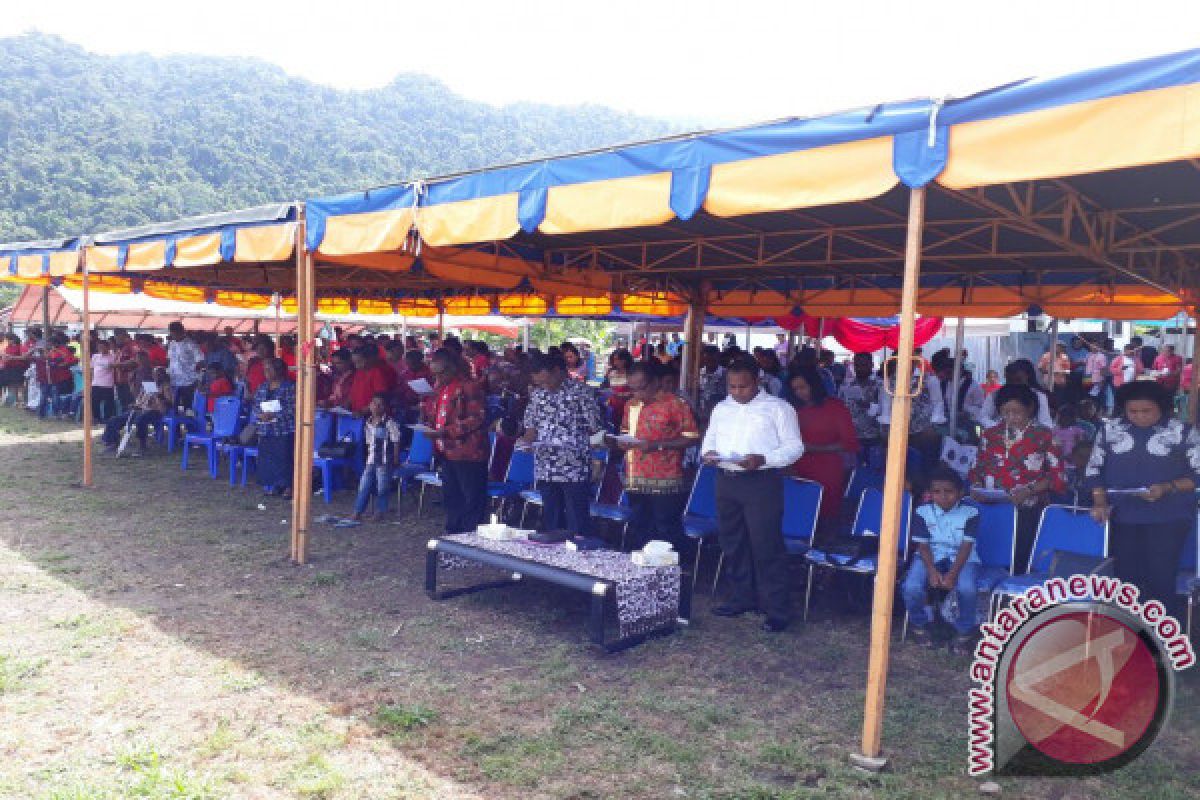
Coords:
pixel 155 642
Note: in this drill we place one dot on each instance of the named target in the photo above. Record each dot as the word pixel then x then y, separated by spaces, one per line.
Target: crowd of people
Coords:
pixel 1048 433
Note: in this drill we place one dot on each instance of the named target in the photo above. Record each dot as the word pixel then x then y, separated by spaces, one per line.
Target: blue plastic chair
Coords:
pixel 864 477
pixel 326 429
pixel 418 460
pixel 434 478
pixel 801 507
pixel 700 514
pixel 610 502
pixel 174 420
pixel 867 520
pixel 235 450
pixel 226 412
pixel 517 478
pixel 1067 528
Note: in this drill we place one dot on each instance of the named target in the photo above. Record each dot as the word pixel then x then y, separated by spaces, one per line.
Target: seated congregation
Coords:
pixel 766 466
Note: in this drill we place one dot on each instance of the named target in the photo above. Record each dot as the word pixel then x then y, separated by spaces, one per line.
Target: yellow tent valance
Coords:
pixel 373 232
pixel 265 243
pixel 1123 131
pixel 839 173
pixel 483 219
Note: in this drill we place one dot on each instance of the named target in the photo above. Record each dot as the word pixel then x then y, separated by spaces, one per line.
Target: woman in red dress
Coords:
pixel 829 439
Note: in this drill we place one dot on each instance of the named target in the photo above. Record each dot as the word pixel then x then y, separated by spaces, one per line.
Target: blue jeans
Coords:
pixel 375 480
pixel 916 593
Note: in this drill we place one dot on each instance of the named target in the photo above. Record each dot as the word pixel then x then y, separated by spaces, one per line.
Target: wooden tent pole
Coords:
pixel 893 492
pixel 298 460
pixel 956 376
pixel 308 363
pixel 693 331
pixel 46 311
pixel 85 358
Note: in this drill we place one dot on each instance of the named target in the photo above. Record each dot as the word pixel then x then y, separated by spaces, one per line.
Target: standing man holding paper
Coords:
pixel 561 418
pixel 457 416
pixel 753 437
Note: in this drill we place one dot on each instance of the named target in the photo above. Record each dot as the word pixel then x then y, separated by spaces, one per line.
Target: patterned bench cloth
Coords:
pixel 647 597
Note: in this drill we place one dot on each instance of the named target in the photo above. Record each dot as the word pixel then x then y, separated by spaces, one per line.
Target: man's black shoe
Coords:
pixel 726 610
pixel 775 625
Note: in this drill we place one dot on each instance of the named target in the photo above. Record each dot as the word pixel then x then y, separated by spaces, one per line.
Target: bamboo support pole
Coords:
pixel 956 376
pixel 85 358
pixel 308 391
pixel 893 489
pixel 301 461
pixel 694 335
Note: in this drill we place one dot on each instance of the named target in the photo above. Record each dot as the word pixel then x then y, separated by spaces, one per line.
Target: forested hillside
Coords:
pixel 91 142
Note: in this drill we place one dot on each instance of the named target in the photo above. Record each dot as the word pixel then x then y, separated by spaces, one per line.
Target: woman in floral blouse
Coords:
pixel 276 429
pixel 1019 456
pixel 1142 447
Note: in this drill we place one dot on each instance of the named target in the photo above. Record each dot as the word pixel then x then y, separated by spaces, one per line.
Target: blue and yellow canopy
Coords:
pixel 1079 196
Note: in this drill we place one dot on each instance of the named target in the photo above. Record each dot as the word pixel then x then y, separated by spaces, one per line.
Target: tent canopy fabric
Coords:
pixel 1075 196
pixel 139 311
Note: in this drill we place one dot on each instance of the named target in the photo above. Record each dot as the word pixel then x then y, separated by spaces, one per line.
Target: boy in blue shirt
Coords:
pixel 944 533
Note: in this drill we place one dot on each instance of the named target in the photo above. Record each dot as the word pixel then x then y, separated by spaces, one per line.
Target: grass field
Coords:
pixel 155 642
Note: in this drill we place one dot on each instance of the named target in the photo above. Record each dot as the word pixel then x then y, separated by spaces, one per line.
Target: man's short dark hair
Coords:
pixel 652 371
pixel 545 362
pixel 743 365
pixel 943 472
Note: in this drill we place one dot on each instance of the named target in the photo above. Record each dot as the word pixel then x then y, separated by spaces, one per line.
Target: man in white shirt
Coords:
pixel 752 437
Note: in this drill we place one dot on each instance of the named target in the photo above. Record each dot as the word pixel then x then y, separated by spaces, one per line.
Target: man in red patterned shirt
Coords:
pixel 663 426
pixel 457 415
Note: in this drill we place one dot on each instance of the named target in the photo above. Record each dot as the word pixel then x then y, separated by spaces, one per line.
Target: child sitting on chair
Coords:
pixel 944 532
pixel 381 436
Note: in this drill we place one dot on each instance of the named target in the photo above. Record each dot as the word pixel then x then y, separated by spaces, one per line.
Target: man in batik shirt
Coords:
pixel 861 396
pixel 458 416
pixel 560 420
pixel 662 426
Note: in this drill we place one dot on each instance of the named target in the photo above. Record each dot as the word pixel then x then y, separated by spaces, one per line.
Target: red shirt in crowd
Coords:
pixel 157 354
pixel 405 397
pixel 256 373
pixel 218 388
pixel 1171 367
pixel 289 357
pixel 365 384
pixel 58 365
pixel 458 409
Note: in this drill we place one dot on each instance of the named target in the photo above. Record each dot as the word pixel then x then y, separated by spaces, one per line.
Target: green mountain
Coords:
pixel 90 143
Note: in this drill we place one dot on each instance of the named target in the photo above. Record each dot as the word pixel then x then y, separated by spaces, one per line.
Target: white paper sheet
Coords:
pixel 420 386
pixel 270 406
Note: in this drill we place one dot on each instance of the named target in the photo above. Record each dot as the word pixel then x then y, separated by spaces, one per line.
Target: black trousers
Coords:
pixel 464 494
pixel 750 520
pixel 1148 557
pixel 104 402
pixel 565 506
pixel 124 396
pixel 656 516
pixel 1027 525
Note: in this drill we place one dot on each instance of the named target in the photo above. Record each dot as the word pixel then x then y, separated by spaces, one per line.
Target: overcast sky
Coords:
pixel 726 62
